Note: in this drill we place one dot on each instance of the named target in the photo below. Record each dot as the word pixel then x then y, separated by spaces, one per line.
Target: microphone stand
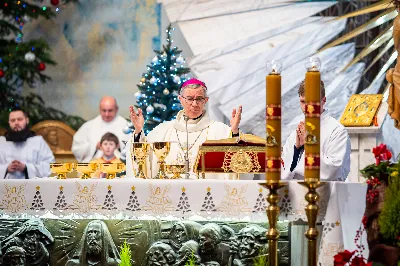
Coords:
pixel 187 148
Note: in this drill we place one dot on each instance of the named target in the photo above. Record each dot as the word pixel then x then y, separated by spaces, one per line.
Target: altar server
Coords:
pixel 335 146
pixel 193 97
pixel 22 154
pixel 86 143
pixel 108 144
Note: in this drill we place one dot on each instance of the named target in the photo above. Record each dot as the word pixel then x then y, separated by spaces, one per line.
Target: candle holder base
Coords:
pixel 312 210
pixel 273 213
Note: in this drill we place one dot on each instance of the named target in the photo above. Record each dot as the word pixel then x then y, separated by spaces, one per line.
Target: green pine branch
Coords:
pixel 125 255
pixel 389 219
pixel 18 71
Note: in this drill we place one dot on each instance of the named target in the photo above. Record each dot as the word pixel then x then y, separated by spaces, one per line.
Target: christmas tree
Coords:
pixel 208 204
pixel 61 203
pixel 23 62
pixel 183 204
pixel 159 87
pixel 261 204
pixel 133 204
pixel 109 202
pixel 37 203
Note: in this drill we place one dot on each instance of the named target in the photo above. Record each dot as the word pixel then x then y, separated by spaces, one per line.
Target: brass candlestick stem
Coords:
pixel 273 211
pixel 312 209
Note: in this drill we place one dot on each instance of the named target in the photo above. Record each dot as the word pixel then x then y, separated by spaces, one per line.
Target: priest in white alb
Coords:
pixel 335 146
pixel 23 155
pixel 86 142
pixel 193 98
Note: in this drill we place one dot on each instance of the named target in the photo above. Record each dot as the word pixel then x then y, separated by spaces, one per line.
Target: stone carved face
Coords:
pixel 250 240
pixel 16 257
pixel 247 246
pixel 178 235
pixel 161 254
pixel 93 239
pixel 186 252
pixel 31 243
pixel 207 242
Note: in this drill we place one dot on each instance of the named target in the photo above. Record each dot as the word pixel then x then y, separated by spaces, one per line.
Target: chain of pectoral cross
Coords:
pixel 191 146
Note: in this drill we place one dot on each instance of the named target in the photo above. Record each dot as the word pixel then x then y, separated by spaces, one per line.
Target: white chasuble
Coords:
pixel 174 131
pixel 34 153
pixel 335 153
pixel 90 133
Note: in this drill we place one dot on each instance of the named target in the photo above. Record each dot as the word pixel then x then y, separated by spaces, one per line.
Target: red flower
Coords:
pixel 342 258
pixel 358 261
pixel 381 153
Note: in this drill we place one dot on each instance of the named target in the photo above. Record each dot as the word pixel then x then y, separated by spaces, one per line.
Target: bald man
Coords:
pixel 86 144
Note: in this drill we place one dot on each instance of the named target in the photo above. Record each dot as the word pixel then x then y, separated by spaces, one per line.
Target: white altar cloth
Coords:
pixel 341 206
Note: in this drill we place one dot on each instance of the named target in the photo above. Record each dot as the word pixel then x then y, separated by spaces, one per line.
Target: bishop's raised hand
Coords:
pixel 137 119
pixel 235 120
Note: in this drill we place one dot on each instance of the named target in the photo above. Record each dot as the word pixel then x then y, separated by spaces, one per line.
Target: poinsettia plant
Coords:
pixel 347 258
pixel 382 168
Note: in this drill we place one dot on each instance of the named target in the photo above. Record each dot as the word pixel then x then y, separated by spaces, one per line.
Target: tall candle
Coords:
pixel 312 125
pixel 273 124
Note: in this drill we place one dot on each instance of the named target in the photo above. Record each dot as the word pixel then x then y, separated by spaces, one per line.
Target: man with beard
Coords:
pixel 22 154
pixel 249 244
pixel 211 247
pixel 33 237
pixel 96 247
pixel 335 145
pixel 183 231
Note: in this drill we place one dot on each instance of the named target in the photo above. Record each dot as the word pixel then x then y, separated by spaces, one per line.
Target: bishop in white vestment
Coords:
pixel 86 142
pixel 22 154
pixel 334 144
pixel 199 127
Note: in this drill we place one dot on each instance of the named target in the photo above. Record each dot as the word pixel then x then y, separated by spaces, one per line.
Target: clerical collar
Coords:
pixel 197 117
pixel 193 125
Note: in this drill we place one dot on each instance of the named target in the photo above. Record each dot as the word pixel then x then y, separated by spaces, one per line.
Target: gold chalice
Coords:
pixel 176 170
pixel 61 169
pixel 161 150
pixel 112 169
pixel 140 151
pixel 86 169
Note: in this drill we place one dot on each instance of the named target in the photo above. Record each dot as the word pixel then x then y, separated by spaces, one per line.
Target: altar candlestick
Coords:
pixel 312 122
pixel 273 122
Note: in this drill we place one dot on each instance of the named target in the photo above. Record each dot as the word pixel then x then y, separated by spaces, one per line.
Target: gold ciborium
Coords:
pixel 140 151
pixel 111 169
pixel 176 170
pixel 62 169
pixel 161 150
pixel 86 169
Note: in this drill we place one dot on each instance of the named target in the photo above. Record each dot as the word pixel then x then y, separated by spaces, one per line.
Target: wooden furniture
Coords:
pixel 59 137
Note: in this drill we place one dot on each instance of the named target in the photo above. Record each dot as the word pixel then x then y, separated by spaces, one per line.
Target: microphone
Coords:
pixel 186 118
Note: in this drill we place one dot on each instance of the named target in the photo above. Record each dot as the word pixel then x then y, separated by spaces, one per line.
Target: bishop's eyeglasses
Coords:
pixel 190 100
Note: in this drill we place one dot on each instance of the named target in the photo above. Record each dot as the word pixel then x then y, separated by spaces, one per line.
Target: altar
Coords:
pixel 145 213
